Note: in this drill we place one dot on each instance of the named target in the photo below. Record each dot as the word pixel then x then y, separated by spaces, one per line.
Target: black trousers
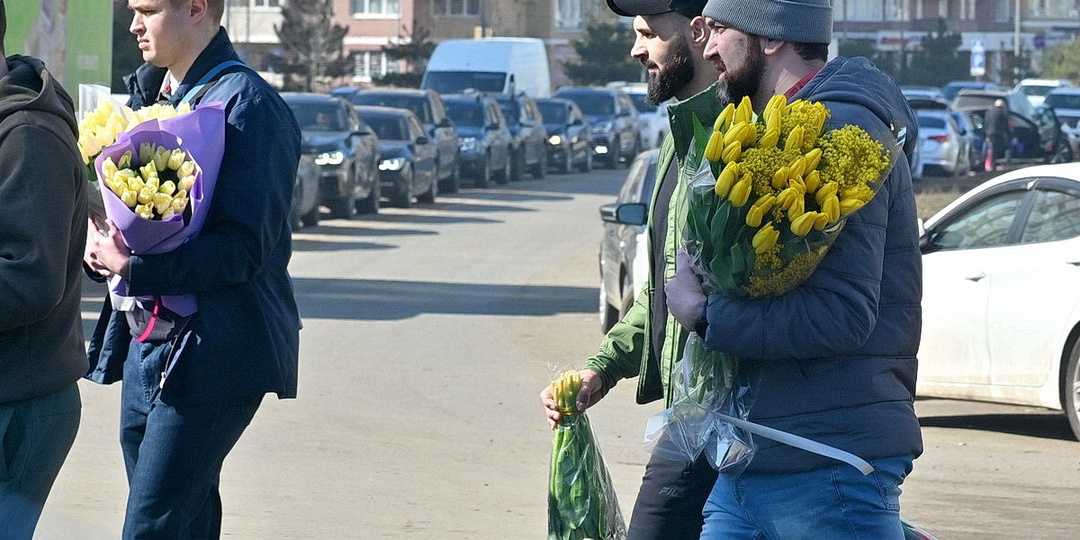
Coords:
pixel 672 495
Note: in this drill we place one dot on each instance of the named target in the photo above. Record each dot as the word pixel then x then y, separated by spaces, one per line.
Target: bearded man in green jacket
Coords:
pixel 670 42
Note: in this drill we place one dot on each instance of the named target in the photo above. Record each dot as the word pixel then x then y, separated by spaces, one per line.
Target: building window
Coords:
pixel 266 3
pixel 376 7
pixel 460 8
pixel 897 10
pixel 858 10
pixel 370 65
pixel 568 15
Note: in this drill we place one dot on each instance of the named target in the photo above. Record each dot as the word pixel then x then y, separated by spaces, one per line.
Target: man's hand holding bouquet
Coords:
pixel 768 196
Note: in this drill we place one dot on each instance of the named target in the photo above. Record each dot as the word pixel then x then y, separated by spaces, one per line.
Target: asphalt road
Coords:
pixel 429 333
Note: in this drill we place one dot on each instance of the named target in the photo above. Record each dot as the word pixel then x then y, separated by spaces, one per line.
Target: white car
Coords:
pixel 624 265
pixel 1001 293
pixel 1035 89
pixel 941 144
pixel 653 119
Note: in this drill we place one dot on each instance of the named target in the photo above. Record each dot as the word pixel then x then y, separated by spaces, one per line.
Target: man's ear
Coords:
pixel 699 31
pixel 198 8
pixel 770 45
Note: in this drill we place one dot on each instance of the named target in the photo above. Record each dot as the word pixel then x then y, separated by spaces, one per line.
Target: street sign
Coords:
pixel 978 59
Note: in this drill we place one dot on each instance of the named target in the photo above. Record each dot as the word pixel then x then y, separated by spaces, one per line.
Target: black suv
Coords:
pixel 428 106
pixel 613 121
pixel 526 123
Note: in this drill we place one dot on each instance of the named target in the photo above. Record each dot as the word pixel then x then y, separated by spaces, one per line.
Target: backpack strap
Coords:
pixel 207 81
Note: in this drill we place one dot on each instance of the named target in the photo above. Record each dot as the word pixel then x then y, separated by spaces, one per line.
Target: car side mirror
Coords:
pixel 576 122
pixel 627 213
pixel 422 140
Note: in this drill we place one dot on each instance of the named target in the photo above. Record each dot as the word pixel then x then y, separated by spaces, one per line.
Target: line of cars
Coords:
pixel 952 126
pixel 358 152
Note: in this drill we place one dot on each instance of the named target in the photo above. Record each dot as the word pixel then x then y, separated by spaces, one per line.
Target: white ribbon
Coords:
pixel 800 442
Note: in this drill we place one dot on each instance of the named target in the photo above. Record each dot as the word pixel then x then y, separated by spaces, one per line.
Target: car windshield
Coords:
pixel 319 116
pixel 466 113
pixel 642 104
pixel 456 82
pixel 594 104
pixel 510 110
pixel 387 127
pixel 412 103
pixel 1063 101
pixel 554 113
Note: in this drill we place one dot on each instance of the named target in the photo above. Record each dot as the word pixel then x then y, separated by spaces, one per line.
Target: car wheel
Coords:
pixel 609 314
pixel 311 219
pixel 428 197
pixel 483 180
pixel 517 165
pixel 503 176
pixel 345 207
pixel 613 154
pixel 370 204
pixel 566 164
pixel 1070 389
pixel 539 171
pixel 587 166
pixel 404 196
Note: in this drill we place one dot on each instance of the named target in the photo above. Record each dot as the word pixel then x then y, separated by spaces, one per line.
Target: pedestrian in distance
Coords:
pixel 42 235
pixel 833 360
pixel 670 42
pixel 998 135
pixel 192 387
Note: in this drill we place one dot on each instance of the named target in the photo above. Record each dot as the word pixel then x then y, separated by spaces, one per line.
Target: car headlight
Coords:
pixel 392 164
pixel 554 140
pixel 330 158
pixel 468 144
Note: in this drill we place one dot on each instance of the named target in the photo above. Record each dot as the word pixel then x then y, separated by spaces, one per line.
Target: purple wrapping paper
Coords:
pixel 200 133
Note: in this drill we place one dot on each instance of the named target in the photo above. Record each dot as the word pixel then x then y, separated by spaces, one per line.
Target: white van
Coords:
pixel 493 65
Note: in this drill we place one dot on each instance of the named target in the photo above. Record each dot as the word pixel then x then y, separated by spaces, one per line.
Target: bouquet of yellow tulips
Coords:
pixel 100 127
pixel 581 500
pixel 767 198
pixel 156 185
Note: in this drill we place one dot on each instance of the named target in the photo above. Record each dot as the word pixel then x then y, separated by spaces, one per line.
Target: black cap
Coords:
pixel 633 8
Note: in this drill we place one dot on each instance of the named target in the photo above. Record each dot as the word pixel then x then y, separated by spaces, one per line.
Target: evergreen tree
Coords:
pixel 604 56
pixel 415 53
pixel 938 59
pixel 311 43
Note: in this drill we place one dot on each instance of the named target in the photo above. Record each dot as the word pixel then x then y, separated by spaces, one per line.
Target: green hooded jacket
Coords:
pixel 627 351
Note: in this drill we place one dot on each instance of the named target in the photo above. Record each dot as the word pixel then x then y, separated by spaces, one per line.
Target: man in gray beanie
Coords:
pixel 670 43
pixel 833 360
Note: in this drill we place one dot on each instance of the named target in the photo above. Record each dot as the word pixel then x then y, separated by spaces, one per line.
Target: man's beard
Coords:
pixel 744 80
pixel 677 73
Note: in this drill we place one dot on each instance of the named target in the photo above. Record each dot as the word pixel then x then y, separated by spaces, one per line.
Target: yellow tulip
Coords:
pixel 740 191
pixel 732 152
pixel 765 238
pixel 801 225
pixel 715 146
pixel 724 119
pixel 727 178
pixel 130 198
pixel 176 158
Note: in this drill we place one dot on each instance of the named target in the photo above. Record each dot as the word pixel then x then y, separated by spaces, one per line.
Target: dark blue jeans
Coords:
pixel 836 502
pixel 173 453
pixel 35 437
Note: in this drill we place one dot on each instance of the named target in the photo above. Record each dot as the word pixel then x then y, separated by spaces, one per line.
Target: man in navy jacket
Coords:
pixel 188 395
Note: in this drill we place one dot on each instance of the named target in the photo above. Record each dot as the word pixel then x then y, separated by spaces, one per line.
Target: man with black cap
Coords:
pixel 670 42
pixel 833 360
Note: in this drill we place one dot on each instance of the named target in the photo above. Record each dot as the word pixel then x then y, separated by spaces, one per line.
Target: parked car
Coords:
pixel 652 118
pixel 953 88
pixel 1035 89
pixel 1001 293
pixel 305 202
pixel 624 265
pixel 975 142
pixel 1037 131
pixel 1066 104
pixel 408 165
pixel 569 144
pixel 613 121
pixel 942 147
pixel 483 137
pixel 346 150
pixel 428 106
pixel 526 123
pixel 925 97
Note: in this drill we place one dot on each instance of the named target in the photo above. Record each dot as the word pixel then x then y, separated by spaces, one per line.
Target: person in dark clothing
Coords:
pixel 187 399
pixel 833 360
pixel 42 234
pixel 998 134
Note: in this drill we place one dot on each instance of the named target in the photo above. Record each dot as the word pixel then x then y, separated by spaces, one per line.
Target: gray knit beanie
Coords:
pixel 799 21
